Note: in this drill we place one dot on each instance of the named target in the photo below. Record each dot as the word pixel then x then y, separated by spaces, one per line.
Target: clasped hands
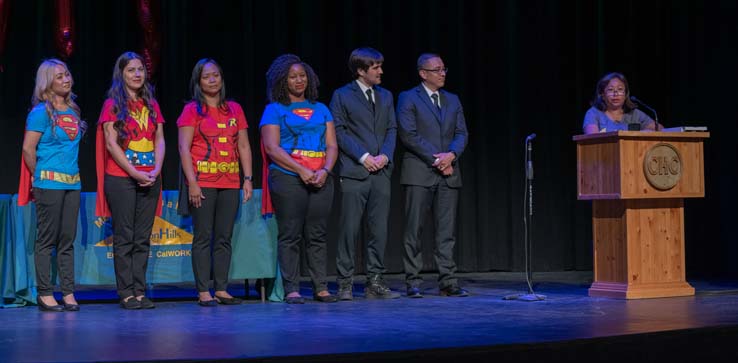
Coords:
pixel 145 178
pixel 315 178
pixel 444 163
pixel 375 163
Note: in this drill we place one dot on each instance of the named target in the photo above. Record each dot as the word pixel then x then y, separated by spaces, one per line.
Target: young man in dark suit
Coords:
pixel 366 129
pixel 432 129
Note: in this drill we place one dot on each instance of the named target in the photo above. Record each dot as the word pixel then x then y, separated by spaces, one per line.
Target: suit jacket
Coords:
pixel 360 130
pixel 424 131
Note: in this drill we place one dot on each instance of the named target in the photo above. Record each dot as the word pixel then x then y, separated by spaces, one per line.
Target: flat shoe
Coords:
pixel 71 307
pixel 228 300
pixel 326 299
pixel 49 308
pixel 295 300
pixel 207 303
pixel 131 304
pixel 146 303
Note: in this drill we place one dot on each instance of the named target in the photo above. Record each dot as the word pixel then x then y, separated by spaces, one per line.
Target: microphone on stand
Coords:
pixel 529 163
pixel 528 226
pixel 655 115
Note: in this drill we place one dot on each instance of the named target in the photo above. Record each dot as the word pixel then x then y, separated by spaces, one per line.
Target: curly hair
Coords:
pixel 598 101
pixel 118 94
pixel 276 78
pixel 197 95
pixel 42 93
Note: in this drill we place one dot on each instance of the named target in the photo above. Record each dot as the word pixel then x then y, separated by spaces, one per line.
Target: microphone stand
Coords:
pixel 655 115
pixel 528 226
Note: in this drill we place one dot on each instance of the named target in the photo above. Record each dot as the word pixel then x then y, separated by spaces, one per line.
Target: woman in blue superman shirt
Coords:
pixel 300 140
pixel 50 149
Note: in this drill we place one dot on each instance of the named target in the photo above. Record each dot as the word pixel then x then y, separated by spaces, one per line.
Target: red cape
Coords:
pixel 24 186
pixel 101 159
pixel 266 198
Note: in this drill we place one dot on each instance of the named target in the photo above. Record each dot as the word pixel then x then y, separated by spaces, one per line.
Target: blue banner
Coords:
pixel 170 261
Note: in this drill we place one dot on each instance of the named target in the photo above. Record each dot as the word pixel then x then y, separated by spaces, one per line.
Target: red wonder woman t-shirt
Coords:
pixel 141 135
pixel 215 144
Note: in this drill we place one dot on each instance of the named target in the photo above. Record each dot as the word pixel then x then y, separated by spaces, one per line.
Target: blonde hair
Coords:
pixel 42 92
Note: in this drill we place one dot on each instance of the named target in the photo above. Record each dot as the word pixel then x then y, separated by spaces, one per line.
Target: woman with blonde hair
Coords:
pixel 50 150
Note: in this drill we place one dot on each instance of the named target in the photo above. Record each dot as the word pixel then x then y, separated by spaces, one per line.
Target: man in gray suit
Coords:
pixel 433 130
pixel 366 129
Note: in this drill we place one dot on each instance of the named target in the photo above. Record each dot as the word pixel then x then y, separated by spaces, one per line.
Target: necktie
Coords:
pixel 369 97
pixel 435 100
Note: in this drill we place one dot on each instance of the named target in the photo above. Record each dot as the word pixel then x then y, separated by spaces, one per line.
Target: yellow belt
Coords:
pixel 309 153
pixel 214 167
pixel 59 177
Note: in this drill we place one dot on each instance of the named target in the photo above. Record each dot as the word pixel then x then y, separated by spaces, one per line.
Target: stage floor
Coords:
pixel 181 330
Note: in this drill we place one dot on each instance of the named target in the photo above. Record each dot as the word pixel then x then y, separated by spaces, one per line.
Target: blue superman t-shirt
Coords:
pixel 301 128
pixel 57 150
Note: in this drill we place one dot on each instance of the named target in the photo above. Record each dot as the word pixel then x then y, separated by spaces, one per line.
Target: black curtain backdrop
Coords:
pixel 518 67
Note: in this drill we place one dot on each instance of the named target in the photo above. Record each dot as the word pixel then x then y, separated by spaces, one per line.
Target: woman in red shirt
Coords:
pixel 212 143
pixel 133 153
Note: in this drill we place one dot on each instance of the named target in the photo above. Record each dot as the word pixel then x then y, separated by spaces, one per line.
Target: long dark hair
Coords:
pixel 276 78
pixel 197 96
pixel 599 101
pixel 118 94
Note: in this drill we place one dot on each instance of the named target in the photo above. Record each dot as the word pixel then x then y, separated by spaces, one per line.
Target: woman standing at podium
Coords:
pixel 212 143
pixel 612 109
pixel 50 149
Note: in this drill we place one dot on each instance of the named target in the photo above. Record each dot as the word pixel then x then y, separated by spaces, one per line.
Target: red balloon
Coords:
pixel 4 16
pixel 148 18
pixel 64 28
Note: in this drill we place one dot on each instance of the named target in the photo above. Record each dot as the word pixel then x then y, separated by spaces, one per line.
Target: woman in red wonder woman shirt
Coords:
pixel 132 153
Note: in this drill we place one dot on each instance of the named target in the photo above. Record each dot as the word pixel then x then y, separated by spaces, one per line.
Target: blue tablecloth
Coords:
pixel 254 247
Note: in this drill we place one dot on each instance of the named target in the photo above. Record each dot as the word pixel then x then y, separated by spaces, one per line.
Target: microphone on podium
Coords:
pixel 655 115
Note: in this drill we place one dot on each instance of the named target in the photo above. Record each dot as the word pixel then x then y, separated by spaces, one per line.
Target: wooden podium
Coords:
pixel 637 182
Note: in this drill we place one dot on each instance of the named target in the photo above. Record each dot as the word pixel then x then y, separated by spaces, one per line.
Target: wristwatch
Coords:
pixel 248 177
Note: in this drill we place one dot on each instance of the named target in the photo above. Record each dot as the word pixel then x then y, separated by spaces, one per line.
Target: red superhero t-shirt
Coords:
pixel 139 145
pixel 214 147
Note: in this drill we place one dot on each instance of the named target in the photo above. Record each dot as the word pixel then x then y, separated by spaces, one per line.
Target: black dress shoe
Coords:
pixel 228 300
pixel 294 300
pixel 208 303
pixel 50 308
pixel 130 304
pixel 71 307
pixel 414 292
pixel 346 293
pixel 325 299
pixel 146 303
pixel 376 288
pixel 454 291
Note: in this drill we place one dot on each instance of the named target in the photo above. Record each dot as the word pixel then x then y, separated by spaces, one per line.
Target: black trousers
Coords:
pixel 301 210
pixel 443 202
pixel 213 228
pixel 133 209
pixel 56 215
pixel 373 195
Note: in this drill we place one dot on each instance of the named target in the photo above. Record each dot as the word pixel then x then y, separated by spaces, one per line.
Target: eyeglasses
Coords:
pixel 615 92
pixel 437 71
